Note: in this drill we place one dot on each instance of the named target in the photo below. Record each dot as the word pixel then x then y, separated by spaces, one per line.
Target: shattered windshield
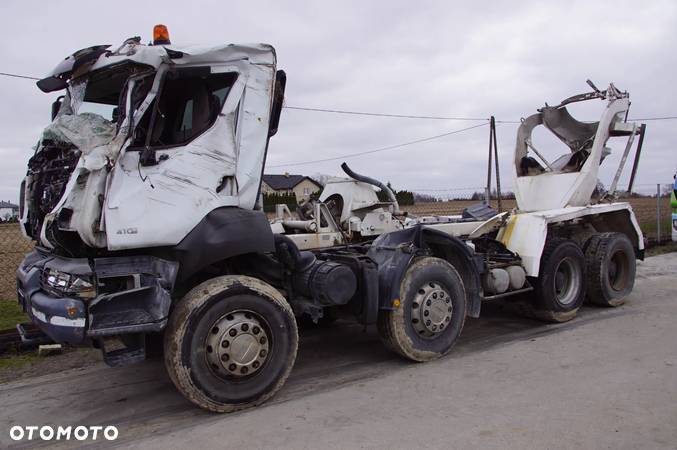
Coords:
pixel 102 109
pixel 103 91
pixel 92 112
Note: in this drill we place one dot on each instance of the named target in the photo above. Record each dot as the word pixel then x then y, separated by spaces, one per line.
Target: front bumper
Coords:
pixel 62 319
pixel 141 306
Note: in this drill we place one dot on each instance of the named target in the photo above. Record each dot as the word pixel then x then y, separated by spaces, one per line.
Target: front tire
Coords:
pixel 560 287
pixel 230 343
pixel 431 312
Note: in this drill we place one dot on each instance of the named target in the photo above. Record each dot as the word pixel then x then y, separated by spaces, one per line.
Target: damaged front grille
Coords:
pixel 48 171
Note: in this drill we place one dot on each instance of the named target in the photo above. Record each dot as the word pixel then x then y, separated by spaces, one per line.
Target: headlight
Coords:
pixel 63 284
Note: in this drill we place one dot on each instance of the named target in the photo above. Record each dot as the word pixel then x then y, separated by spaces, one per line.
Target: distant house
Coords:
pixel 299 185
pixel 8 210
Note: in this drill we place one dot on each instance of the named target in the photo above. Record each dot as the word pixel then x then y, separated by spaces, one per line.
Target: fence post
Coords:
pixel 658 214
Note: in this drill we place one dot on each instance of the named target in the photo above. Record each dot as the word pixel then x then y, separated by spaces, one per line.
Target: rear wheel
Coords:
pixel 611 267
pixel 430 314
pixel 231 343
pixel 560 287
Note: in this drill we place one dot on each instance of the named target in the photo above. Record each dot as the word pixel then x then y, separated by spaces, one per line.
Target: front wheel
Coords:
pixel 230 343
pixel 429 317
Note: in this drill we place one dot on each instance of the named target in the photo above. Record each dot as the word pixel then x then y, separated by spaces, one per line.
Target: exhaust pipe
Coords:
pixel 373 182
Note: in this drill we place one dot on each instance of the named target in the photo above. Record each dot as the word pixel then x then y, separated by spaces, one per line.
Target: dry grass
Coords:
pixel 644 208
pixel 13 247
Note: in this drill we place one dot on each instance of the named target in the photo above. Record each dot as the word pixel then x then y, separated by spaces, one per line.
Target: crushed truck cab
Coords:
pixel 143 198
pixel 177 159
pixel 187 133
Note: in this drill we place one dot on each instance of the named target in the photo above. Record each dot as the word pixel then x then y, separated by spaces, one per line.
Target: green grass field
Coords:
pixel 10 314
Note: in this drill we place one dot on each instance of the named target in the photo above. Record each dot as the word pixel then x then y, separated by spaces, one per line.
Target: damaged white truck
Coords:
pixel 144 200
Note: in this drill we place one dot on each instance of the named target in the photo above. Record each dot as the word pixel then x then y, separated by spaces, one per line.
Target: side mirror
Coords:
pixel 56 106
pixel 278 100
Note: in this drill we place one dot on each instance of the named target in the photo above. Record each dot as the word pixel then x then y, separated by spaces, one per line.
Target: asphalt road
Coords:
pixel 608 379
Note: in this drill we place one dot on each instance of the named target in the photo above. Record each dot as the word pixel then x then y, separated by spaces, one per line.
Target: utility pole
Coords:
pixel 493 158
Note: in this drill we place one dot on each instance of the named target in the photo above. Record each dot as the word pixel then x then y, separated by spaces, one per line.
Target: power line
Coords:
pixel 400 116
pixel 409 116
pixel 632 119
pixel 382 149
pixel 373 114
pixel 654 118
pixel 333 111
pixel 450 191
pixel 14 75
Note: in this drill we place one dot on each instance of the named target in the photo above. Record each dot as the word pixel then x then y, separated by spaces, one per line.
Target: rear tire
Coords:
pixel 431 312
pixel 560 287
pixel 611 268
pixel 230 343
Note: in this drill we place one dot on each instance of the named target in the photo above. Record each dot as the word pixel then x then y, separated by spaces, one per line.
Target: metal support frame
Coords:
pixel 638 152
pixel 542 158
pixel 624 158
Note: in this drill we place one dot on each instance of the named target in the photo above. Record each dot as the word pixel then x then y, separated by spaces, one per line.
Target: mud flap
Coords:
pixel 394 252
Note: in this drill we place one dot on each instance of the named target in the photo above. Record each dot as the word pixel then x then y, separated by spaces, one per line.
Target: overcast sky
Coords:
pixel 469 59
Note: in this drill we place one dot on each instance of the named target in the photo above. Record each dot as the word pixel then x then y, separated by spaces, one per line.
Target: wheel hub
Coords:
pixel 237 344
pixel 567 280
pixel 431 310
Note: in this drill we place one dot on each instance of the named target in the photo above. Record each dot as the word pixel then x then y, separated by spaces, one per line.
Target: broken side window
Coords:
pixel 188 104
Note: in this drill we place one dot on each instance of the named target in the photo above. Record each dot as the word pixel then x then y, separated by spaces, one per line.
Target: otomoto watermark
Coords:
pixel 63 433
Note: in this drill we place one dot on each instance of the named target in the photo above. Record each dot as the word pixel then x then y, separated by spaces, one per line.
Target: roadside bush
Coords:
pixel 270 200
pixel 404 198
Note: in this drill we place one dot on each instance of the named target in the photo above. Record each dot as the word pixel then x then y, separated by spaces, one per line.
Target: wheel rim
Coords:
pixel 237 345
pixel 617 270
pixel 567 281
pixel 431 310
